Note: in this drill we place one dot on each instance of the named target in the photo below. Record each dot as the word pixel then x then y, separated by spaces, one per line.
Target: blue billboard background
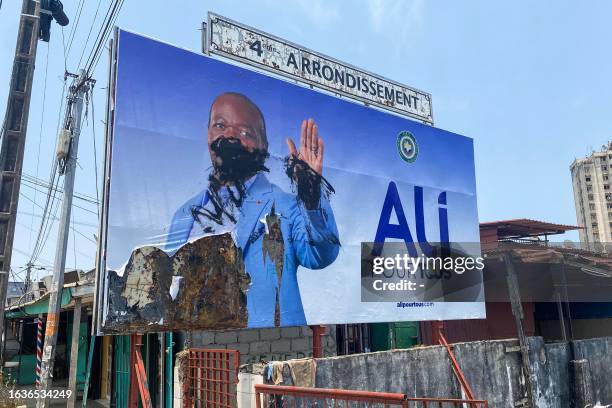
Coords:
pixel 160 160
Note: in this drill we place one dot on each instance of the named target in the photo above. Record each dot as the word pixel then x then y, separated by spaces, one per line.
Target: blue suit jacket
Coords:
pixel 310 239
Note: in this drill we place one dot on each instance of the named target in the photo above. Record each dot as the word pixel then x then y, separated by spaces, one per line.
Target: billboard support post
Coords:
pixel 318 332
pixel 73 125
pixel 517 311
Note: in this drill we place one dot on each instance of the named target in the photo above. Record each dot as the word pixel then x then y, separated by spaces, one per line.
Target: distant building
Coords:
pixel 593 198
pixel 14 292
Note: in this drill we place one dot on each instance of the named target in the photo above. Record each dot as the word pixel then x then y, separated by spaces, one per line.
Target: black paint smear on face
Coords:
pixel 234 163
pixel 309 183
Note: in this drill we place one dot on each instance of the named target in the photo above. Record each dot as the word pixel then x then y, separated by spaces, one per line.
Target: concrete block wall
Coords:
pixel 271 344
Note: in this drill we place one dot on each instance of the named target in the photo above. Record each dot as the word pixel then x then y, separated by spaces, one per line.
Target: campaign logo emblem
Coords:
pixel 407 146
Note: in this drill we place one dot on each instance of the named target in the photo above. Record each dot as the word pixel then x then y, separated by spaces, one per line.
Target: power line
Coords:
pixel 65 56
pixel 111 8
pixel 74 26
pixel 48 263
pixel 51 193
pixel 89 33
pixel 39 182
pixel 60 191
pixel 73 238
pixel 94 56
pixel 93 129
pixel 84 224
pixel 42 119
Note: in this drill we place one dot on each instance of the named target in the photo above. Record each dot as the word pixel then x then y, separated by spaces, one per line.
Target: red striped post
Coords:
pixel 39 347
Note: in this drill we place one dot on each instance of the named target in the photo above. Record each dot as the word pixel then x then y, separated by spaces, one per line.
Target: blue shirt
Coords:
pixel 310 239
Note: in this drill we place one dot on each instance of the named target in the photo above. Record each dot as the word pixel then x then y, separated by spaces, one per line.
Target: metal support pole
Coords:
pixel 75 100
pixel 74 352
pixel 517 311
pixel 566 302
pixel 160 364
pixel 561 318
pixel 437 328
pixel 92 344
pixel 318 332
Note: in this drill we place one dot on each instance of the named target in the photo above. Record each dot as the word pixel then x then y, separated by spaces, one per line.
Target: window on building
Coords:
pixel 606 186
pixel 604 168
pixel 605 177
pixel 593 217
pixel 589 188
pixel 592 206
pixel 608 197
pixel 587 179
pixel 594 224
pixel 591 197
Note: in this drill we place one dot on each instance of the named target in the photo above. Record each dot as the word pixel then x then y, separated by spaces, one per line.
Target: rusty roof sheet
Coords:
pixel 524 227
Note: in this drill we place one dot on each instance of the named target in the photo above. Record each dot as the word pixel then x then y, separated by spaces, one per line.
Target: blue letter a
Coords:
pixel 386 229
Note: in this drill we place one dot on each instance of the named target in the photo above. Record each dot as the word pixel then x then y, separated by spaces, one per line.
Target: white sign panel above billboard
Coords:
pixel 239 42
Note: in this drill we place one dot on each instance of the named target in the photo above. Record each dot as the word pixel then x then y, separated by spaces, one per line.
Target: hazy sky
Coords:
pixel 529 81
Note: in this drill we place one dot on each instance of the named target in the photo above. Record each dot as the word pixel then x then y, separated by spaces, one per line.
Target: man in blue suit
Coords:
pixel 276 231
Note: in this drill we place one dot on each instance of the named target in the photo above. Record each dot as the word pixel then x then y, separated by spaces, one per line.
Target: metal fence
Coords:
pixel 212 376
pixel 275 396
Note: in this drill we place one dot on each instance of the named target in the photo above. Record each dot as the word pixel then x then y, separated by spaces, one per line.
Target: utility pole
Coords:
pixel 15 127
pixel 27 284
pixel 13 142
pixel 68 145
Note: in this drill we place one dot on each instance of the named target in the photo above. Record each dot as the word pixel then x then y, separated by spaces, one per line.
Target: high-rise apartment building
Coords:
pixel 593 198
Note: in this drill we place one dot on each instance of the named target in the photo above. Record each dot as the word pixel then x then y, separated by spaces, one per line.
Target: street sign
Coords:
pixel 239 42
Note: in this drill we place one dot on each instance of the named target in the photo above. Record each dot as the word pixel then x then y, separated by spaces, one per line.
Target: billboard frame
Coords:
pixel 101 283
pixel 208 48
pixel 100 290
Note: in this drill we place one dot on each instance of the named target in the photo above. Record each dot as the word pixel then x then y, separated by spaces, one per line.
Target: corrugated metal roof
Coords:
pixel 524 227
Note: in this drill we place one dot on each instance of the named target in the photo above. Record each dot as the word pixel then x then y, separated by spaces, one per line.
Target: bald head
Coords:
pixel 234 115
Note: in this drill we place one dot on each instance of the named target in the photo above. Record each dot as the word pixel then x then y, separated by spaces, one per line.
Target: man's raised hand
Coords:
pixel 311 146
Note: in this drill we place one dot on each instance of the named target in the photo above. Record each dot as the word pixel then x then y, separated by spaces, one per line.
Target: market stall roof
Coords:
pixel 83 290
pixel 524 227
pixel 543 271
